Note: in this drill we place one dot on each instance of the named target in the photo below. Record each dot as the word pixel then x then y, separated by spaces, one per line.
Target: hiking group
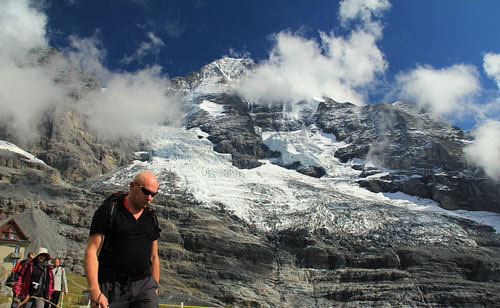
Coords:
pixel 37 283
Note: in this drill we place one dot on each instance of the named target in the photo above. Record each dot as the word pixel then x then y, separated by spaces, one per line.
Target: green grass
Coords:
pixel 4 299
pixel 76 285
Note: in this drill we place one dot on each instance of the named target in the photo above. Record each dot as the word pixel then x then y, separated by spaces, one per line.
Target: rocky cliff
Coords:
pixel 211 257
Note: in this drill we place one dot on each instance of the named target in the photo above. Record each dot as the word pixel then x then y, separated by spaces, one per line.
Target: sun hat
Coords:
pixel 44 251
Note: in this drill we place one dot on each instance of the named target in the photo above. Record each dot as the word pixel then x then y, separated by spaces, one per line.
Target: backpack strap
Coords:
pixel 152 212
pixel 112 202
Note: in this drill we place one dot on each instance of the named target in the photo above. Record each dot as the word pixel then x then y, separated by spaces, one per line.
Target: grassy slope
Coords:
pixel 76 285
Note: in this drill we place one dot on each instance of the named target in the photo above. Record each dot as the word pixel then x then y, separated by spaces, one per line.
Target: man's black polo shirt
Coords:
pixel 127 255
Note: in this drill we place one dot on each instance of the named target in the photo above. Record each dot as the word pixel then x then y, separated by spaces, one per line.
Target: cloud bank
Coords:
pixel 341 68
pixel 25 91
pixel 445 91
pixel 491 65
pixel 131 98
pixel 21 28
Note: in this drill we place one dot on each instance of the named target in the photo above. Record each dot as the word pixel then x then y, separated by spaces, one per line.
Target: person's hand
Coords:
pixel 100 301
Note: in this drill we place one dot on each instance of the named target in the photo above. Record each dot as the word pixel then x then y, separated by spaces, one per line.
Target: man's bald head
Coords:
pixel 143 188
pixel 146 178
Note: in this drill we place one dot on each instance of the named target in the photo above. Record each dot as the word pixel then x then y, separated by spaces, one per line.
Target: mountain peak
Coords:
pixel 216 77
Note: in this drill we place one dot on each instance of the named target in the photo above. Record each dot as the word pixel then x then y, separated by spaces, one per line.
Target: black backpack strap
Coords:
pixel 112 202
pixel 152 212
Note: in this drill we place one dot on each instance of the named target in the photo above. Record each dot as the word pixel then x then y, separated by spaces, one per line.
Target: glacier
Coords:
pixel 273 198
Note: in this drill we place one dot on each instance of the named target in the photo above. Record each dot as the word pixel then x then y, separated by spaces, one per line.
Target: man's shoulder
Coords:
pixel 112 201
pixel 115 198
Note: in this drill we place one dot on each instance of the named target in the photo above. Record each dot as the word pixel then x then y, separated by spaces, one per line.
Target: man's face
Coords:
pixel 56 262
pixel 31 256
pixel 143 194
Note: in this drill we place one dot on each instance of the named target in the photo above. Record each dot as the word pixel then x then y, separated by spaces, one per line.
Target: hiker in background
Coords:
pixel 17 268
pixel 35 282
pixel 14 276
pixel 60 283
pixel 121 260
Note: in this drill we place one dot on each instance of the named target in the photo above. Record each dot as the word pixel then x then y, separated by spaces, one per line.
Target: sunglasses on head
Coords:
pixel 146 191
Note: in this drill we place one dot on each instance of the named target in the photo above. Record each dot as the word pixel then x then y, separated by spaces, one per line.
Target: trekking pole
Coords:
pixel 62 300
pixel 42 299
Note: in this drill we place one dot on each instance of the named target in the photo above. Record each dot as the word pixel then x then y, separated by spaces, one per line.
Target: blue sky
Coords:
pixel 439 33
pixel 442 54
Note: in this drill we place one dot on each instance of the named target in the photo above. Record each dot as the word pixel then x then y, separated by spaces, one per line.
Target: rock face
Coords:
pixel 425 154
pixel 236 265
pixel 233 133
pixel 209 256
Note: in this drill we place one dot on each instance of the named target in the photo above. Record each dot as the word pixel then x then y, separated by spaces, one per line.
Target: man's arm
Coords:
pixel 91 269
pixel 155 263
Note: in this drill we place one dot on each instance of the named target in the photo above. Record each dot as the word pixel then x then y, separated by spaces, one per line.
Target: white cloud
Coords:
pixel 300 68
pixel 363 10
pixel 25 93
pixel 152 46
pixel 491 65
pixel 21 28
pixel 357 58
pixel 131 99
pixel 89 55
pixel 485 151
pixel 297 70
pixel 445 91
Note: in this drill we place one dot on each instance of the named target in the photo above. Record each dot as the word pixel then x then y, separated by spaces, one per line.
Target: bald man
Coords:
pixel 121 260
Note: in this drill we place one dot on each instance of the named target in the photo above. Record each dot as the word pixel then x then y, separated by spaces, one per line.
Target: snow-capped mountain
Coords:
pixel 219 76
pixel 337 148
pixel 311 203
